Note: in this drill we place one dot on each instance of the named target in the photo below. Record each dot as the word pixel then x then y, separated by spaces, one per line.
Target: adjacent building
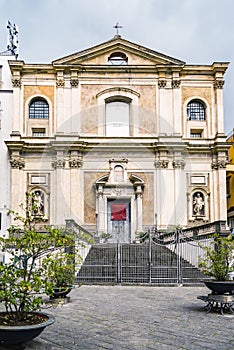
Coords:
pixel 6 101
pixel 230 182
pixel 119 137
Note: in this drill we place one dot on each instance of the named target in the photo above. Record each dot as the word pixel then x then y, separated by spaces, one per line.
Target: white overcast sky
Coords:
pixel 195 31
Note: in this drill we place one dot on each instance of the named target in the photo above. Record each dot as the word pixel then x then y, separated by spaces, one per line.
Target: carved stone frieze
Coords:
pixel 178 164
pixel 76 162
pixel 219 83
pixel 175 84
pixel 16 82
pixel 162 84
pixel 161 164
pixel 60 83
pixel 58 164
pixel 17 162
pixel 74 82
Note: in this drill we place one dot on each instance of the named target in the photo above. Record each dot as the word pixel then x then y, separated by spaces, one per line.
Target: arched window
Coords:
pixel 38 109
pixel 118 58
pixel 196 110
pixel 117 117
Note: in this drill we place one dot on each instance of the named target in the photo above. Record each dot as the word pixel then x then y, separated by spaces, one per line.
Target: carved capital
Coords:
pixel 74 82
pixel 16 82
pixel 161 164
pixel 219 164
pixel 17 162
pixel 178 164
pixel 60 83
pixel 219 83
pixel 75 162
pixel 162 84
pixel 58 164
pixel 175 84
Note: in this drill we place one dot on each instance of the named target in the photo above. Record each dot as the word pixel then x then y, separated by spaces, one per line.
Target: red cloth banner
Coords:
pixel 118 212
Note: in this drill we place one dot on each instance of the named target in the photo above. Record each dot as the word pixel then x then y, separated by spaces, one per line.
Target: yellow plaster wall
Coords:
pixel 148 198
pixel 90 197
pixel 202 92
pixel 147 109
pixel 32 90
pixel 89 109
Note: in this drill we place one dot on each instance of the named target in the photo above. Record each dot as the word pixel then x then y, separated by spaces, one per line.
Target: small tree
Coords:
pixel 218 259
pixel 22 279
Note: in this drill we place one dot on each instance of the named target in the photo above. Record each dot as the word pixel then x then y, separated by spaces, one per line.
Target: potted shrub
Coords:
pixel 218 263
pixel 60 269
pixel 22 280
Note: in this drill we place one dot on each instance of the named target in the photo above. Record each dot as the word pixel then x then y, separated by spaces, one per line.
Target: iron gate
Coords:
pixel 152 262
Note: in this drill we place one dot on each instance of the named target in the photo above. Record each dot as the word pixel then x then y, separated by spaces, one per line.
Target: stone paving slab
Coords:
pixel 136 318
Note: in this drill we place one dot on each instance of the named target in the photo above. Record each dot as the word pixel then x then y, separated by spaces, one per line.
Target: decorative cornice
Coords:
pixel 76 162
pixel 162 84
pixel 58 164
pixel 60 83
pixel 17 162
pixel 219 83
pixel 161 164
pixel 175 84
pixel 219 164
pixel 74 82
pixel 178 164
pixel 16 82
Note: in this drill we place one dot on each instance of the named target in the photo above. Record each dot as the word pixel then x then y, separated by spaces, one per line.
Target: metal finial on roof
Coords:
pixel 117 27
pixel 13 42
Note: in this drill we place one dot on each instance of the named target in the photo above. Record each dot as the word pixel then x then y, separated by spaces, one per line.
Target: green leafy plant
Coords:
pixel 60 269
pixel 22 278
pixel 218 259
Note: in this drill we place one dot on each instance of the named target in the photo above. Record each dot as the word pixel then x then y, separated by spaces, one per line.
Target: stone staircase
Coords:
pixel 136 264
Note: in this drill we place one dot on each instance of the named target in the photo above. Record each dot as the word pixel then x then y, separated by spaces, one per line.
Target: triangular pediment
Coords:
pixel 136 54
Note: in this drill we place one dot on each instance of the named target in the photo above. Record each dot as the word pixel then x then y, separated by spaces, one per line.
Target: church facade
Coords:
pixel 119 137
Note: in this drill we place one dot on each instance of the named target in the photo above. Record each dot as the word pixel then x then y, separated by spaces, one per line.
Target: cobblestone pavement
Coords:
pixel 136 318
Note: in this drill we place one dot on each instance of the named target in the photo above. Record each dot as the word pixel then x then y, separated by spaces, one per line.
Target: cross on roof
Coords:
pixel 117 27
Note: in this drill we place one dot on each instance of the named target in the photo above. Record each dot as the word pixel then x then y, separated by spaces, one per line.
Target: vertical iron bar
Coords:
pixel 119 264
pixel 150 256
pixel 179 269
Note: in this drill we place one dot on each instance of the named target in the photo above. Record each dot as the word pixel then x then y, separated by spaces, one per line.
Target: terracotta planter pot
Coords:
pixel 20 335
pixel 220 287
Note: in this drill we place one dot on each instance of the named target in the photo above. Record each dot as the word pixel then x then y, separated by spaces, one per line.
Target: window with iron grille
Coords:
pixel 38 109
pixel 196 134
pixel 196 110
pixel 36 132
